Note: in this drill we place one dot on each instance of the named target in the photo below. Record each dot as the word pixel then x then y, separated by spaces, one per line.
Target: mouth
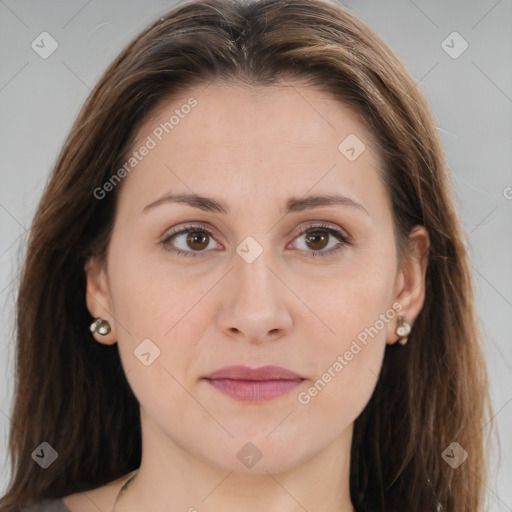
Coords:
pixel 254 384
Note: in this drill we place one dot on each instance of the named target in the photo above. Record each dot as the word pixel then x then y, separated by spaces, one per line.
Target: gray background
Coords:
pixel 471 97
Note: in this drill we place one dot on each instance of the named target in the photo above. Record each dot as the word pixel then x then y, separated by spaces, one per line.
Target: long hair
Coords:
pixel 71 392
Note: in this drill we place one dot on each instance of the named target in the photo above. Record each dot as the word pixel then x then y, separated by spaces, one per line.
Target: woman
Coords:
pixel 246 284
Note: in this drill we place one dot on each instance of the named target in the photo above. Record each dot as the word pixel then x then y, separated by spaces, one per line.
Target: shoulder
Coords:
pixel 102 497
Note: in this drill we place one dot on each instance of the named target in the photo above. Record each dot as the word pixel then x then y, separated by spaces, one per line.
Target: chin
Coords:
pixel 259 454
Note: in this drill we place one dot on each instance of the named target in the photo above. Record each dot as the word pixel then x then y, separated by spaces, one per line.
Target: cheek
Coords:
pixel 351 299
pixel 157 337
pixel 346 366
pixel 346 359
pixel 151 306
pixel 150 295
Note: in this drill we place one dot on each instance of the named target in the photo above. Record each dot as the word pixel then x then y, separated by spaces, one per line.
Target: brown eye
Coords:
pixel 317 240
pixel 321 240
pixel 189 241
pixel 197 240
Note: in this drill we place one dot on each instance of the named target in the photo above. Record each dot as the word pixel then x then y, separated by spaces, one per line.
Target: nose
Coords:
pixel 256 305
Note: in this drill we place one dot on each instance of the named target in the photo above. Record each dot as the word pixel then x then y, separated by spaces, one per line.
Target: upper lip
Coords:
pixel 268 372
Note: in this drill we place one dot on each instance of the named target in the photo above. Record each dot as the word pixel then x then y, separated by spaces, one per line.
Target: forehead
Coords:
pixel 222 109
pixel 239 140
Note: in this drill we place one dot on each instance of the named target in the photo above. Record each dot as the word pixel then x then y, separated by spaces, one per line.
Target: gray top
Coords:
pixel 48 505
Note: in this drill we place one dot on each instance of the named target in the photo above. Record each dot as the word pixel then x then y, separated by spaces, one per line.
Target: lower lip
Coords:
pixel 255 390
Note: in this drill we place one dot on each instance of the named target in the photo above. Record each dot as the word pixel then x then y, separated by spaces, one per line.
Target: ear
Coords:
pixel 97 297
pixel 410 281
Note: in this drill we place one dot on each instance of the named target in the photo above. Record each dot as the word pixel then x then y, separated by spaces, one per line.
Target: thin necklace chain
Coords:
pixel 123 489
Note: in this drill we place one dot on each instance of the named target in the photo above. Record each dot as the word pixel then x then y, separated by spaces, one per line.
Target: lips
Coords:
pixel 254 384
pixel 246 373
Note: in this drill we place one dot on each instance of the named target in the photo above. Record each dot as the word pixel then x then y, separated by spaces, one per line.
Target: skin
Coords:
pixel 253 148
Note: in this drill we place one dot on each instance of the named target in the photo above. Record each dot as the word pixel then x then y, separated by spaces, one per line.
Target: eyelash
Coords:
pixel 344 239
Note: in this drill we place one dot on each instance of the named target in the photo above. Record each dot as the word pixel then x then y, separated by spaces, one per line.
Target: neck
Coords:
pixel 172 479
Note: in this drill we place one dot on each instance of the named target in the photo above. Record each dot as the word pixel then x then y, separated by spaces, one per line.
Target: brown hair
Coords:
pixel 71 391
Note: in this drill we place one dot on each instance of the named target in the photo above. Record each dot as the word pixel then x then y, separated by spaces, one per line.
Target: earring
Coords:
pixel 100 326
pixel 403 329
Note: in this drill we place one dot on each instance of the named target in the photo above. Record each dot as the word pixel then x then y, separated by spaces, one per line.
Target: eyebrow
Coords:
pixel 209 204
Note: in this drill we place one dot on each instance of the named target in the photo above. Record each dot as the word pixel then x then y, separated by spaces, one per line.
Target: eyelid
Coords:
pixel 189 226
pixel 328 227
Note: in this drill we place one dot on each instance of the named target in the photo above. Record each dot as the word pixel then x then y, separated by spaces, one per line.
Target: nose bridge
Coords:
pixel 257 305
pixel 252 273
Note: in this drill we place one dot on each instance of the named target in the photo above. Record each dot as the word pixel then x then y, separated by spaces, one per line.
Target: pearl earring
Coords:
pixel 100 326
pixel 403 329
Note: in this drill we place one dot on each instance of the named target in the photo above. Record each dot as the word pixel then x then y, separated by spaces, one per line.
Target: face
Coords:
pixel 263 273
